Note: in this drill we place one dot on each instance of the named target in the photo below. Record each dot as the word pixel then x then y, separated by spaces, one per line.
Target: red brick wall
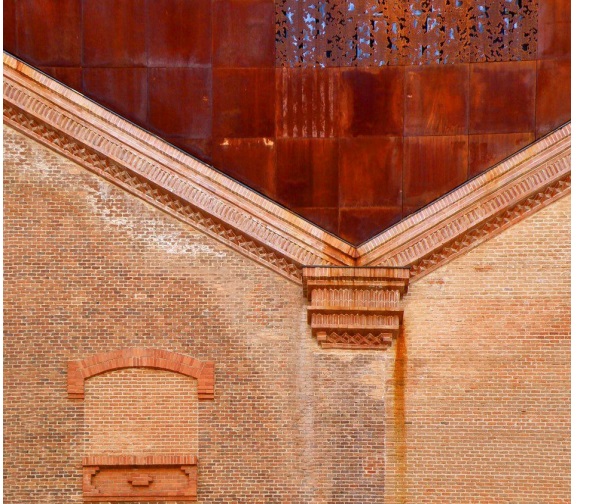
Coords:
pixel 91 269
pixel 141 412
pixel 485 413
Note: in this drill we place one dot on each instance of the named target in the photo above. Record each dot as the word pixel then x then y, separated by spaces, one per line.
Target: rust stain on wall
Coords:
pixel 400 413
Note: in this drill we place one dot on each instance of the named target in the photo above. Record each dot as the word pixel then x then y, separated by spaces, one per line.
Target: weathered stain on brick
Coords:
pixel 476 406
pixel 487 391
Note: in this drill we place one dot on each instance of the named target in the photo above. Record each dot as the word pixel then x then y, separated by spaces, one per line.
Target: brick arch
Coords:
pixel 79 371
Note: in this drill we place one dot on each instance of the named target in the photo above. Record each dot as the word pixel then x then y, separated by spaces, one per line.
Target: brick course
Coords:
pixel 470 405
pixel 90 269
pixel 79 371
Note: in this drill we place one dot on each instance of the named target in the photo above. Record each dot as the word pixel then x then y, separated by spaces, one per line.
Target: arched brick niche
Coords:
pixel 140 423
pixel 79 371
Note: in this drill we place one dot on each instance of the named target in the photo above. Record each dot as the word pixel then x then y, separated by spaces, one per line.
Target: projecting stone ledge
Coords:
pixel 355 308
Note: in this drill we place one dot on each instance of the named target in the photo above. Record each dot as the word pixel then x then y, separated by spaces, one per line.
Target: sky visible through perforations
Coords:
pixel 382 32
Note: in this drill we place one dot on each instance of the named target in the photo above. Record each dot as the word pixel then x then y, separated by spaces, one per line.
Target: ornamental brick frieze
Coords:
pixel 154 171
pixel 490 228
pixel 477 210
pixel 119 478
pixel 355 308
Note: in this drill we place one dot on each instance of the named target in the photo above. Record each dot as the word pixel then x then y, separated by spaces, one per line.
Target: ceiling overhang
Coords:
pixel 191 191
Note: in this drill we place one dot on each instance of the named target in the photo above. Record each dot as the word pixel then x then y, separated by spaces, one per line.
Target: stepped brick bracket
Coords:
pixel 118 478
pixel 355 308
pixel 78 371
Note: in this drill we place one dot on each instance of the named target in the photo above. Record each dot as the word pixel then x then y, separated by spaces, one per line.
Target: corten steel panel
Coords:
pixel 123 90
pixel 554 11
pixel 503 30
pixel 554 41
pixel 185 113
pixel 554 29
pixel 307 172
pixel 327 218
pixel 114 33
pixel 243 102
pixel 200 148
pixel 271 74
pixel 432 166
pixel 436 100
pixel 9 23
pixel 249 160
pixel 371 101
pixel 553 100
pixel 502 97
pixel 370 172
pixel 244 33
pixel 364 35
pixel 437 31
pixel 49 32
pixel 356 33
pixel 179 32
pixel 487 150
pixel 359 224
pixel 307 102
pixel 71 76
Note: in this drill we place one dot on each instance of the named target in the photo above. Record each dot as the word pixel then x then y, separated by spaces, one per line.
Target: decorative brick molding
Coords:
pixel 79 371
pixel 135 460
pixel 490 228
pixel 477 210
pixel 127 478
pixel 355 308
pixel 159 173
pixel 194 193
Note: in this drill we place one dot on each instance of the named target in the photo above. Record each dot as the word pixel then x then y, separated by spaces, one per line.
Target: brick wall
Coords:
pixel 89 268
pixel 141 412
pixel 485 412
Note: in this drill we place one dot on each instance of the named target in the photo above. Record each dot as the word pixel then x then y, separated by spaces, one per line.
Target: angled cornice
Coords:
pixel 195 193
pixel 477 210
pixel 150 168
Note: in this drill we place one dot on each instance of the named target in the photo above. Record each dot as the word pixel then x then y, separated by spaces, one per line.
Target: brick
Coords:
pixel 471 403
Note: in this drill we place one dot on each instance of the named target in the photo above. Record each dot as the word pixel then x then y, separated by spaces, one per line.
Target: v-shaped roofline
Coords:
pixel 208 200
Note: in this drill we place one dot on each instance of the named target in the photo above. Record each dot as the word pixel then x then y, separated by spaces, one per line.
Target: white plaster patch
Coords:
pixel 153 232
pixel 24 148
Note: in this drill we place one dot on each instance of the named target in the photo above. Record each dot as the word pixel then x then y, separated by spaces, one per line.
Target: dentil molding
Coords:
pixel 152 169
pixel 246 221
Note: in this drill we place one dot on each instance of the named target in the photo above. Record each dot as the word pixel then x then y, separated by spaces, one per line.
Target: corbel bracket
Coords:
pixel 355 308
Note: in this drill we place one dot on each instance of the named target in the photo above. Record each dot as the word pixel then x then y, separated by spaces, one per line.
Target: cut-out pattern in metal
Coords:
pixel 414 32
pixel 437 31
pixel 505 30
